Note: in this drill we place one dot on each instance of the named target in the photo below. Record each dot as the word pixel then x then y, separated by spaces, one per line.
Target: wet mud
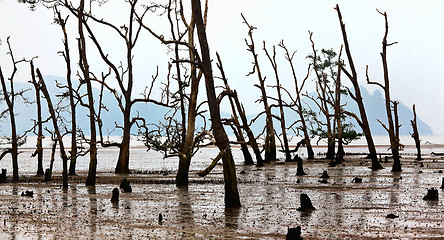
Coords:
pixel 270 195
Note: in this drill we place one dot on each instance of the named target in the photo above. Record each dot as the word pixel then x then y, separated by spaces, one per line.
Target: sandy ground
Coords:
pixel 269 195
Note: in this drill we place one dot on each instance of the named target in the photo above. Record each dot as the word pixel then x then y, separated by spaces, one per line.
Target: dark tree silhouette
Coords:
pixel 298 102
pixel 39 124
pixel 55 125
pixel 73 153
pixel 231 192
pixel 9 96
pixel 357 97
pixel 270 141
pixel 393 125
pixel 234 121
pixel 281 118
pixel 415 134
pixel 183 139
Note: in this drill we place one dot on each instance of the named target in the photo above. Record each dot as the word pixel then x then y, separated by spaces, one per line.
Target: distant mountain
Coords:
pixel 375 107
pixel 26 113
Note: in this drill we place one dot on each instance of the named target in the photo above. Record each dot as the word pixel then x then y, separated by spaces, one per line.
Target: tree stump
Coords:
pixel 115 197
pixel 357 180
pixel 325 174
pixel 300 171
pixel 3 176
pixel 125 185
pixel 306 204
pixel 28 193
pixel 47 175
pixel 432 194
pixel 294 233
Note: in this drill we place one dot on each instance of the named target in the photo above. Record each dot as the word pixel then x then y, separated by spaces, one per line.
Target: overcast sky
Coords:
pixel 416 63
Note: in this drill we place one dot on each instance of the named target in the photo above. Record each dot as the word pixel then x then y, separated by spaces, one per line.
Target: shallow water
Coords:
pixel 269 195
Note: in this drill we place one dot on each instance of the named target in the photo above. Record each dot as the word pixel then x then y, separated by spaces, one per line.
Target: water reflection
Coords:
pixel 306 217
pixel 92 221
pixel 185 213
pixel 232 218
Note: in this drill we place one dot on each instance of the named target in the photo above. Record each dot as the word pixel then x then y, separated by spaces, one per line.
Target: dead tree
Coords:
pixel 55 124
pixel 298 102
pixel 280 103
pixel 357 97
pixel 73 154
pixel 236 126
pixel 222 142
pixel 338 114
pixel 183 139
pixel 39 146
pixel 123 73
pixel 325 76
pixel 9 96
pixel 190 140
pixel 393 125
pixel 270 141
pixel 415 135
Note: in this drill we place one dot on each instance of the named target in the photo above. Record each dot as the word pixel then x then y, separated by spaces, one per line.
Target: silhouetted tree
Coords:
pixel 357 97
pixel 222 142
pixel 9 96
pixel 73 153
pixel 324 67
pixel 39 124
pixel 298 102
pixel 280 103
pixel 123 74
pixel 55 125
pixel 179 137
pixel 393 126
pixel 234 121
pixel 415 134
pixel 270 141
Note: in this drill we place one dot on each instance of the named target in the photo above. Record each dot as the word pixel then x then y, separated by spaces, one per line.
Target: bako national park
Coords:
pixel 200 119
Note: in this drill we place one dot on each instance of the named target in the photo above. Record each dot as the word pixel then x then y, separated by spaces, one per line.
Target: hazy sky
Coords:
pixel 416 63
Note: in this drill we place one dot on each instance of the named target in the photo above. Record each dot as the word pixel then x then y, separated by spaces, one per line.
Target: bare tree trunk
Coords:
pixel 415 135
pixel 189 141
pixel 231 192
pixel 281 108
pixel 123 160
pixel 72 104
pixel 39 148
pixel 357 97
pixel 9 98
pixel 84 66
pixel 393 125
pixel 270 141
pixel 338 113
pixel 251 138
pixel 298 102
pixel 56 128
pixel 248 160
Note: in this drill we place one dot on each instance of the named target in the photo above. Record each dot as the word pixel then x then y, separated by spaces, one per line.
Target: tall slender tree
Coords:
pixel 222 142
pixel 9 96
pixel 393 126
pixel 55 125
pixel 286 147
pixel 73 153
pixel 415 134
pixel 357 97
pixel 298 102
pixel 270 141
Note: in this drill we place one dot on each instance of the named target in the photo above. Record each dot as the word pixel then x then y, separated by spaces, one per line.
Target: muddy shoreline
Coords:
pixel 269 195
